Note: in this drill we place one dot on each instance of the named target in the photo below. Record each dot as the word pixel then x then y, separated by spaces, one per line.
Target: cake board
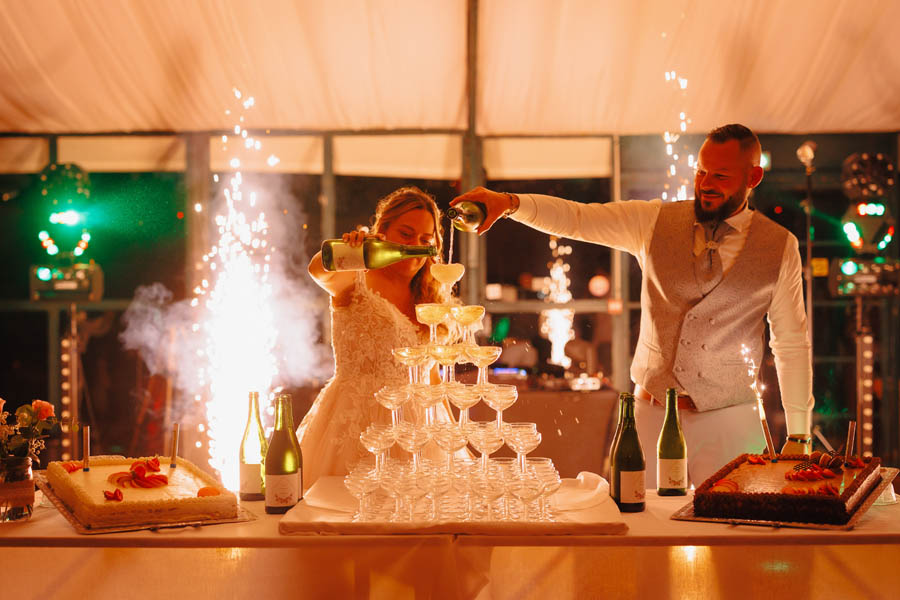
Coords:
pixel 40 479
pixel 686 512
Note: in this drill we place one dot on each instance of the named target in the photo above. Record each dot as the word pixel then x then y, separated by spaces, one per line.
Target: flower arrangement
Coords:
pixel 25 437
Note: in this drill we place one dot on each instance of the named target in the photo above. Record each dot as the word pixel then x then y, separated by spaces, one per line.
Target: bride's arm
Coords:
pixel 337 283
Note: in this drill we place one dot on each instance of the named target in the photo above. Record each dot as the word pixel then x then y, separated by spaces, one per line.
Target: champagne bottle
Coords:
pixel 628 466
pixel 373 253
pixel 615 442
pixel 284 462
pixel 253 452
pixel 671 452
pixel 467 215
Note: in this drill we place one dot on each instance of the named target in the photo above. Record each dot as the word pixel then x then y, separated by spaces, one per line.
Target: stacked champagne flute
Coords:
pixel 455 487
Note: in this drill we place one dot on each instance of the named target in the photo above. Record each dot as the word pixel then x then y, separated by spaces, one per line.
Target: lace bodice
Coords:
pixel 363 334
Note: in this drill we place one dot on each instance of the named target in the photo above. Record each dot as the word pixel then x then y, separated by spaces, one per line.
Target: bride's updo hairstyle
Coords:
pixel 424 287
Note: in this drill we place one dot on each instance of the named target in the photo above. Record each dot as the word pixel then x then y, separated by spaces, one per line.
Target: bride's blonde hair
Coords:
pixel 423 286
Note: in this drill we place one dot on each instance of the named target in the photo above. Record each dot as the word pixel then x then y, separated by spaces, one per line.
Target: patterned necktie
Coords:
pixel 708 263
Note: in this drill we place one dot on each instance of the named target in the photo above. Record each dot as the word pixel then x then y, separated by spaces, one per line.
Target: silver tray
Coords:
pixel 686 512
pixel 40 479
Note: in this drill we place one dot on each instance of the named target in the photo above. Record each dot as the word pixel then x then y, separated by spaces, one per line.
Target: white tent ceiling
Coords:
pixel 544 67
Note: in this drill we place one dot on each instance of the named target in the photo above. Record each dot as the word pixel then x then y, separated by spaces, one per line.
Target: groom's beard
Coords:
pixel 725 210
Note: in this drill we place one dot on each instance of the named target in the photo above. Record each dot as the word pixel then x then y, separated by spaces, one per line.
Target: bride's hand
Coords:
pixel 357 237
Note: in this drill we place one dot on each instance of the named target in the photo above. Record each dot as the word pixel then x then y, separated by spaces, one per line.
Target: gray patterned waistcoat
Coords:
pixel 693 342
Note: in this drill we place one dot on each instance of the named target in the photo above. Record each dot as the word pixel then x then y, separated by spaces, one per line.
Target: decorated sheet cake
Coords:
pixel 816 488
pixel 119 491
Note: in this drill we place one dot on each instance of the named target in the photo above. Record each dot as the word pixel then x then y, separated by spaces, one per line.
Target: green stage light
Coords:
pixel 68 217
pixel 65 196
pixel 44 274
pixel 849 267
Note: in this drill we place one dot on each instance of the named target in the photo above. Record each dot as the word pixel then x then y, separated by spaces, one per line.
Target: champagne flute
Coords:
pixel 500 397
pixel 552 483
pixel 463 397
pixel 377 439
pixel 521 438
pixel 411 357
pixel 527 487
pixel 427 396
pixel 490 488
pixel 450 439
pixel 413 439
pixel 432 314
pixel 486 438
pixel 467 315
pixel 393 397
pixel 446 355
pixel 482 357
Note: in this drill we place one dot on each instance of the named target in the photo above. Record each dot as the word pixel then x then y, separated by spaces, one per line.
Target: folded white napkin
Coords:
pixel 331 494
pixel 585 491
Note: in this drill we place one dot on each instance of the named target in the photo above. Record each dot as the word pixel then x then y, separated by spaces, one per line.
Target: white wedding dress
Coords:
pixel 363 335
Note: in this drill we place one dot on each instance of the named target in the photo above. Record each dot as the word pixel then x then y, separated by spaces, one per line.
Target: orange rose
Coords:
pixel 42 410
pixel 2 402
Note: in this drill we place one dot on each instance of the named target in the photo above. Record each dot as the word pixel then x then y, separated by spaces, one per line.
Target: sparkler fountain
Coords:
pixel 556 323
pixel 234 314
pixel 677 177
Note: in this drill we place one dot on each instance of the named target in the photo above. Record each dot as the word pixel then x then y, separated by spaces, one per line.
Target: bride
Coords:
pixel 372 312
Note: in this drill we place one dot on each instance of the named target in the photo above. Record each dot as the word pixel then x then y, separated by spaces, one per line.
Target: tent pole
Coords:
pixel 328 204
pixel 472 247
pixel 197 177
pixel 621 336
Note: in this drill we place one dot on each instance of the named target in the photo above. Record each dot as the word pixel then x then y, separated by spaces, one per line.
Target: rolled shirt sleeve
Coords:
pixel 790 342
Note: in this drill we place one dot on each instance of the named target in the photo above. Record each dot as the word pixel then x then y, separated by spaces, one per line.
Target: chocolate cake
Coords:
pixel 816 488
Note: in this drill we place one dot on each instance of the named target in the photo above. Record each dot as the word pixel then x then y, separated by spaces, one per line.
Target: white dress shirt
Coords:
pixel 628 226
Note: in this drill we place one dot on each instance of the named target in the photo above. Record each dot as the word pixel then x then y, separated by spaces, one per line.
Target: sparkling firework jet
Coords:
pixel 556 323
pixel 681 166
pixel 236 321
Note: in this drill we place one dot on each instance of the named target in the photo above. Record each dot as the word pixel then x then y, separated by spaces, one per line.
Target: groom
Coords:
pixel 713 270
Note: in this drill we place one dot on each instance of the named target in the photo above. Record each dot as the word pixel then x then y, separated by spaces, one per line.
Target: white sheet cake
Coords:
pixel 174 501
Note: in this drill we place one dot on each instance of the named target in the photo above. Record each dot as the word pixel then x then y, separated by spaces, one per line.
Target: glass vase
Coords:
pixel 16 489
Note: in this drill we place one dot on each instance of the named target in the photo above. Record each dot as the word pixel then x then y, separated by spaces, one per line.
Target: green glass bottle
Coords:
pixel 467 215
pixel 284 461
pixel 371 254
pixel 615 442
pixel 252 454
pixel 627 485
pixel 671 452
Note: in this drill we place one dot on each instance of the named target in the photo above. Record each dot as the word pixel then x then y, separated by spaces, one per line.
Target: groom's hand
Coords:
pixel 496 205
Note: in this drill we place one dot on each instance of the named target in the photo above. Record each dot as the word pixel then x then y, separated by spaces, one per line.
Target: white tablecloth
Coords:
pixel 657 557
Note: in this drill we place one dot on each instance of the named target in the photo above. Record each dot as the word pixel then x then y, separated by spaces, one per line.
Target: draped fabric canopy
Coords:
pixel 544 67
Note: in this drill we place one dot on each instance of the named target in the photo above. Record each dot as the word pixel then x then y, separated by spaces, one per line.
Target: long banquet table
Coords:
pixel 45 558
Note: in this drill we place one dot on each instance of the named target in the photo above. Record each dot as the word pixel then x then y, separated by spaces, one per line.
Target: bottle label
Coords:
pixel 251 478
pixel 631 486
pixel 348 258
pixel 671 473
pixel 283 490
